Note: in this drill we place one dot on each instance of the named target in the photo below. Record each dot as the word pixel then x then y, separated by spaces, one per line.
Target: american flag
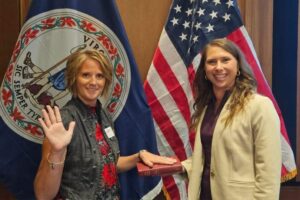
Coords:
pixel 192 24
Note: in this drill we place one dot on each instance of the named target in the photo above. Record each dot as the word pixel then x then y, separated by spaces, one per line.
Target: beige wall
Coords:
pixel 9 24
pixel 143 21
pixel 258 19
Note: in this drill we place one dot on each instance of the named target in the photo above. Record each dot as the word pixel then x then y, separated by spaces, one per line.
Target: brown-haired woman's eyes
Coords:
pixel 225 59
pixel 211 62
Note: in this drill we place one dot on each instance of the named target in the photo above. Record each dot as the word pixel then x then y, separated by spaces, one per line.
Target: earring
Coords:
pixel 238 73
pixel 205 77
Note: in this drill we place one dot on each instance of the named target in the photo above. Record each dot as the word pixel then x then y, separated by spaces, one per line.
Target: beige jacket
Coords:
pixel 245 157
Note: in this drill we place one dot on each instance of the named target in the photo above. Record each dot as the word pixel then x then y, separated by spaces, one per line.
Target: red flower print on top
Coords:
pixel 109 174
pixel 103 146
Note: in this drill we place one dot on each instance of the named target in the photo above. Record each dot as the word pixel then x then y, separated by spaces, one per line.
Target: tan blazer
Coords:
pixel 245 157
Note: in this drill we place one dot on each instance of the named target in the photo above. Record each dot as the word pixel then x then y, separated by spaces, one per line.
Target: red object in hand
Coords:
pixel 159 169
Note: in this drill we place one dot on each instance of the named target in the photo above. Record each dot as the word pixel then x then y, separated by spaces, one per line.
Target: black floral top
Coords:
pixel 90 165
pixel 109 177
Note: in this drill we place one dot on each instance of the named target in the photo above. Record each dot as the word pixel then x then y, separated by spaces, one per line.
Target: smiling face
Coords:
pixel 221 69
pixel 90 82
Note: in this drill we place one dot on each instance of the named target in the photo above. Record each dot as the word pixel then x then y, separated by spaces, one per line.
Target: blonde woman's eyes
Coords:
pixel 85 75
pixel 88 75
pixel 100 76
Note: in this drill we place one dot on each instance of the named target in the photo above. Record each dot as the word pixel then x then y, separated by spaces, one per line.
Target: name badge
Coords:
pixel 109 132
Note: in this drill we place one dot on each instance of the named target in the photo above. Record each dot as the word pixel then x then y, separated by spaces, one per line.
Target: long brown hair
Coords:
pixel 245 84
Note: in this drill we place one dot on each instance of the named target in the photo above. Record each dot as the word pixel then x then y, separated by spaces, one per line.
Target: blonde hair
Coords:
pixel 245 84
pixel 75 62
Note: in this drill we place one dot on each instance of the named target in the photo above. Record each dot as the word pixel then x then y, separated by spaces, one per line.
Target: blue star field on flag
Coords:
pixel 210 19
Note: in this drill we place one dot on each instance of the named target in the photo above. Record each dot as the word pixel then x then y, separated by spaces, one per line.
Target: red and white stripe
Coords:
pixel 170 98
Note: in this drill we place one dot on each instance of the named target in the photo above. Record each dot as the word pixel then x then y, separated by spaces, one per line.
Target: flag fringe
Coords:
pixel 289 176
pixel 166 194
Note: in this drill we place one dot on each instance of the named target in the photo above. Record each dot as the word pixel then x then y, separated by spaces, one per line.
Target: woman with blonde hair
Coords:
pixel 82 161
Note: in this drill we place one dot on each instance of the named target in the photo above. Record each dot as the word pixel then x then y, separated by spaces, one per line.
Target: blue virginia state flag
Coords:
pixel 54 29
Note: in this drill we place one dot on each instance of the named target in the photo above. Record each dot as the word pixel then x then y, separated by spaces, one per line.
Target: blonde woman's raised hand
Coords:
pixel 54 129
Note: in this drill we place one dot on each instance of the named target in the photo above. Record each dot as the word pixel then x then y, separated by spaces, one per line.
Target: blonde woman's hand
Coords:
pixel 150 158
pixel 54 129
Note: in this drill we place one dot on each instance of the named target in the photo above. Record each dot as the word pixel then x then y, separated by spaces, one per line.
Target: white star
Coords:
pixel 226 17
pixel 183 36
pixel 174 21
pixel 200 12
pixel 186 24
pixel 213 14
pixel 189 12
pixel 203 1
pixel 177 8
pixel 192 1
pixel 195 38
pixel 216 2
pixel 198 25
pixel 210 28
pixel 229 3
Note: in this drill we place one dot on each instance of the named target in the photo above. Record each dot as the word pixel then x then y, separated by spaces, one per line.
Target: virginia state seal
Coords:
pixel 35 75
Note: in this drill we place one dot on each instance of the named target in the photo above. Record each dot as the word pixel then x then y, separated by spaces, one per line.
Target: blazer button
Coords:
pixel 212 174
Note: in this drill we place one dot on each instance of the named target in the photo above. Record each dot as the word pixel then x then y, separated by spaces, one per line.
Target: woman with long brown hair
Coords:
pixel 237 151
